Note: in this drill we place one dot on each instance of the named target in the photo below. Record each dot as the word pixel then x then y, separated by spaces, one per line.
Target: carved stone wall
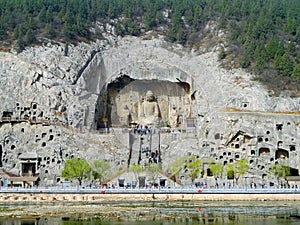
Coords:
pixel 125 103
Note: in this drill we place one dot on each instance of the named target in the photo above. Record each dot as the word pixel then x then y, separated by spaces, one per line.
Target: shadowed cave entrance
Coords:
pixel 147 102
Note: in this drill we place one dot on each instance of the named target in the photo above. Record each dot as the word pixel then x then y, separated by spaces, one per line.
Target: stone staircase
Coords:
pixel 134 149
pixel 144 148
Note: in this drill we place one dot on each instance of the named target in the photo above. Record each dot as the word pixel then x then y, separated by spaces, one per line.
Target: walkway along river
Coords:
pixel 176 194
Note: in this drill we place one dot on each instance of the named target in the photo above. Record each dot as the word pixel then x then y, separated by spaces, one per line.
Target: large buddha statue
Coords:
pixel 149 113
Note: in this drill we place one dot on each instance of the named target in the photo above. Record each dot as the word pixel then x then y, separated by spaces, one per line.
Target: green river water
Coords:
pixel 157 213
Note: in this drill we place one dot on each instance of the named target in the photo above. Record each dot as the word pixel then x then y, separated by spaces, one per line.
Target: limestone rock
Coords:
pixel 55 95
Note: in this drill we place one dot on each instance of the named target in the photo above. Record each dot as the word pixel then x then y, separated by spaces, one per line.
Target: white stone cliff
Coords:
pixel 60 86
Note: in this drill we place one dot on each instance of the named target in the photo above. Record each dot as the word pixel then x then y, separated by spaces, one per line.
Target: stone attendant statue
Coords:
pixel 173 117
pixel 149 110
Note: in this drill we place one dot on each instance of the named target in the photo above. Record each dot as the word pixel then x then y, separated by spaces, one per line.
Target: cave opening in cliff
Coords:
pixel 141 101
pixel 281 154
pixel 294 172
pixel 28 169
pixel 264 151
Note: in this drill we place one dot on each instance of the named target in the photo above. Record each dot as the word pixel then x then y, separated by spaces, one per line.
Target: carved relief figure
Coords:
pixel 173 117
pixel 149 110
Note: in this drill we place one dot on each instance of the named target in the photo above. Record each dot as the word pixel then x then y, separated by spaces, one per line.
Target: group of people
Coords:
pixel 142 130
pixel 153 157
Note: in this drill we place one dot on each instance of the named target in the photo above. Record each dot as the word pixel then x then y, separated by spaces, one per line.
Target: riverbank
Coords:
pixel 111 197
pixel 125 212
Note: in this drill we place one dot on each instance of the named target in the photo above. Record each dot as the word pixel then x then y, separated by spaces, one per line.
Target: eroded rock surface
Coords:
pixel 56 97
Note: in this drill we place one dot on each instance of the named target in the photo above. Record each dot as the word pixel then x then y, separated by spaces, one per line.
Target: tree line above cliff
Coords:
pixel 263 35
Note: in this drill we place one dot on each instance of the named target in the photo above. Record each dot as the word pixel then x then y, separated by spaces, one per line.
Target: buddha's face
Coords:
pixel 149 96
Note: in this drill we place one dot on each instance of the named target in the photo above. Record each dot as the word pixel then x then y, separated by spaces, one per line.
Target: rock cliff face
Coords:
pixel 56 97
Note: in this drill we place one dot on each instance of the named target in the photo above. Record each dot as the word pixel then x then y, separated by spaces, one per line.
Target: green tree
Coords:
pixel 237 169
pixel 274 48
pixel 49 30
pixel 296 71
pixel 280 171
pixel 297 58
pixel 7 20
pixel 154 171
pixel 76 168
pixel 241 167
pixel 216 168
pixel 132 27
pixel 197 17
pixel 112 9
pixel 250 46
pixel 136 169
pixel 49 15
pixel 68 31
pixel 260 58
pixel 79 27
pixel 171 35
pixel 291 26
pixel 297 36
pixel 222 22
pixel 222 53
pixel 3 34
pixel 245 60
pixel 235 30
pixel 284 65
pixel 20 44
pixel 291 48
pixel 230 171
pixel 181 36
pixel 42 15
pixel 176 32
pixel 19 31
pixel 120 29
pixel 150 19
pixel 176 167
pixel 30 23
pixel 29 37
pixel 100 170
pixel 193 167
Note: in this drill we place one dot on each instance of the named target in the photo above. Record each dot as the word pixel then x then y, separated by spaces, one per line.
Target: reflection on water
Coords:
pixel 177 213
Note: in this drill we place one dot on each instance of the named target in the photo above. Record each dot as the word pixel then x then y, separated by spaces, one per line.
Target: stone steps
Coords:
pixel 135 150
pixel 142 146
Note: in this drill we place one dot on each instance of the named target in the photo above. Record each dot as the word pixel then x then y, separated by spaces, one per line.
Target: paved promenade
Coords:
pixel 96 195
